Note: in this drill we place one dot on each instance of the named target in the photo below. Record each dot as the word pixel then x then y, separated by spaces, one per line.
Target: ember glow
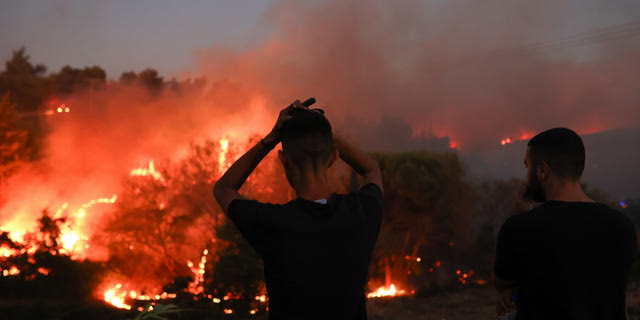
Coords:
pixel 464 277
pixel 387 291
pixel 195 287
pixel 74 232
pixel 222 158
pixel 148 171
pixel 121 297
pixel 116 297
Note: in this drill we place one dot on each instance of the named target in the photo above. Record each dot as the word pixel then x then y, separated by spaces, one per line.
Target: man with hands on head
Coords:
pixel 316 248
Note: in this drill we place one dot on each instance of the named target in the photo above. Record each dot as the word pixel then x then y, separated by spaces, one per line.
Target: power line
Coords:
pixel 626 30
pixel 630 28
pixel 605 34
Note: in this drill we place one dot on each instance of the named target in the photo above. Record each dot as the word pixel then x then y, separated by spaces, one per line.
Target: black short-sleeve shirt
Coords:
pixel 316 256
pixel 570 259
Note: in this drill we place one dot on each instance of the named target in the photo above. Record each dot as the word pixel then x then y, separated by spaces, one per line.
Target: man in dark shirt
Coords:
pixel 569 258
pixel 317 248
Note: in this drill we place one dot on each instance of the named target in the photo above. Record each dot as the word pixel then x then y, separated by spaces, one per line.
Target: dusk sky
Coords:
pixel 125 35
pixel 132 35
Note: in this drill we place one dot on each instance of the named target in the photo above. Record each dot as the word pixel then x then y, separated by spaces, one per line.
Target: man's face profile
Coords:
pixel 534 187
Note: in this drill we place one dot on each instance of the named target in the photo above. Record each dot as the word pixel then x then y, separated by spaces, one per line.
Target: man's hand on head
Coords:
pixel 275 136
pixel 226 188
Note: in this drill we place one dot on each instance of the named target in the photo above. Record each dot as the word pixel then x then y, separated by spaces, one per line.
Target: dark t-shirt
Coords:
pixel 316 256
pixel 571 260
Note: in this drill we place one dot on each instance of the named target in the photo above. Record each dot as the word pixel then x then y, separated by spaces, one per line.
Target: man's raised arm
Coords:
pixel 226 189
pixel 364 164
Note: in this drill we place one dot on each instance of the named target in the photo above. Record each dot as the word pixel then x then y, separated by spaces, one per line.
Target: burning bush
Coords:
pixel 164 219
pixel 37 266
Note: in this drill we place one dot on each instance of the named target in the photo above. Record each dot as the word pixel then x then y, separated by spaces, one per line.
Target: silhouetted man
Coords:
pixel 317 248
pixel 568 258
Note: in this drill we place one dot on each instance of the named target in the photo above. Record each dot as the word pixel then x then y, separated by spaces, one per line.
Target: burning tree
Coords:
pixel 166 216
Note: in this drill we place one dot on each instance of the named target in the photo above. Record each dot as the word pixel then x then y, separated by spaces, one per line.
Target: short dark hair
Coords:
pixel 563 151
pixel 307 139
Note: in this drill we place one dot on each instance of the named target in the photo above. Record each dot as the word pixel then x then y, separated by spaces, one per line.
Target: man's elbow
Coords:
pixel 217 190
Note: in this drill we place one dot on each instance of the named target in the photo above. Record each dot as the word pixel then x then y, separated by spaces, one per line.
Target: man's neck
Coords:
pixel 567 191
pixel 313 187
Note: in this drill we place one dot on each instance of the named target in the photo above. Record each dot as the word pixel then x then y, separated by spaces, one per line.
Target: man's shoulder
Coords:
pixel 524 217
pixel 552 212
pixel 253 202
pixel 597 211
pixel 252 208
pixel 368 197
pixel 369 190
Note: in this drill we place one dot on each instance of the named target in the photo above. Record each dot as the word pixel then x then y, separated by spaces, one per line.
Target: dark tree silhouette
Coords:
pixel 24 81
pixel 13 140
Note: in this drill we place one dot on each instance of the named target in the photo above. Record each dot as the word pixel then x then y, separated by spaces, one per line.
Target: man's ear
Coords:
pixel 334 157
pixel 542 170
pixel 283 159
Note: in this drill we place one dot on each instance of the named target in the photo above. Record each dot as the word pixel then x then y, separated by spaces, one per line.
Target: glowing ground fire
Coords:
pixel 385 291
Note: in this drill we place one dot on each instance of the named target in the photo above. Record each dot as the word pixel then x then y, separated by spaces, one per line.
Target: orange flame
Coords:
pixel 116 296
pixel 390 291
pixel 196 286
pixel 149 171
pixel 224 147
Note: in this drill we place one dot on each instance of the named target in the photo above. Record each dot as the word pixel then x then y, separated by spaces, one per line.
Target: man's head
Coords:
pixel 557 154
pixel 307 144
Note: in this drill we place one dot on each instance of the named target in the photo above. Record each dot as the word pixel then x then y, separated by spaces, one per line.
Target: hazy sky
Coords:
pixel 125 35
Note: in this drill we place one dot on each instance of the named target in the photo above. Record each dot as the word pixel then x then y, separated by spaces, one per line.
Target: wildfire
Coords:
pixel 69 237
pixel 150 170
pixel 11 272
pixel 196 286
pixel 389 291
pixel 116 297
pixel 70 232
pixel 222 158
pixel 74 237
